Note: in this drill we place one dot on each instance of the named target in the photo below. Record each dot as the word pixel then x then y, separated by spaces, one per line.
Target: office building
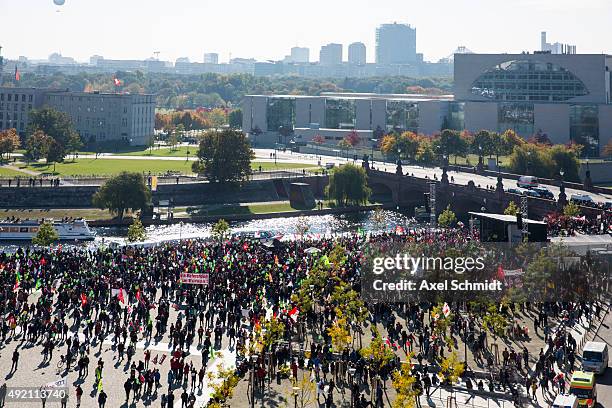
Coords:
pixel 556 48
pixel 300 55
pixel 96 116
pixel 331 54
pixel 568 97
pixel 357 53
pixel 211 58
pixel 396 44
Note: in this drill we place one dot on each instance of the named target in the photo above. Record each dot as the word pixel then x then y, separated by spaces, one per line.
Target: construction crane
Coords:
pixel 156 53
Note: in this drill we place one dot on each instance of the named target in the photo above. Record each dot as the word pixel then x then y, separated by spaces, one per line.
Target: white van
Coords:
pixel 527 182
pixel 595 357
pixel 565 401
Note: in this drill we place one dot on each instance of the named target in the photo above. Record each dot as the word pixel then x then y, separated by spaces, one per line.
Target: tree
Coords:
pixel 220 230
pixel 9 142
pixel 447 218
pixel 571 210
pixel 136 231
pixel 348 185
pixel 378 354
pixel 494 322
pixel 55 124
pixel 235 119
pixel 55 153
pixel 46 235
pixel 352 138
pixel 37 145
pixel 125 191
pixel 512 209
pixel 451 368
pixel 404 384
pixel 224 156
pixel 73 144
pixel 340 334
pixel 302 226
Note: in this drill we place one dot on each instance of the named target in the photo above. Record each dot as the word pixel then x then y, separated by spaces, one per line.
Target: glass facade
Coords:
pixel 584 128
pixel 455 118
pixel 402 116
pixel 528 81
pixel 516 116
pixel 281 112
pixel 340 113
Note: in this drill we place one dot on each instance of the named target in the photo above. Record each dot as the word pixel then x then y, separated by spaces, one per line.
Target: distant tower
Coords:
pixel 357 53
pixel 543 41
pixel 330 54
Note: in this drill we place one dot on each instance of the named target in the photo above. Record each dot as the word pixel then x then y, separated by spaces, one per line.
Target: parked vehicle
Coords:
pixel 583 386
pixel 582 199
pixel 544 192
pixel 595 357
pixel 527 182
pixel 565 401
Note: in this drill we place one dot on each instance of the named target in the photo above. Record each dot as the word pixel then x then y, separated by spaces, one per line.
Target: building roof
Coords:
pixel 504 218
pixel 349 95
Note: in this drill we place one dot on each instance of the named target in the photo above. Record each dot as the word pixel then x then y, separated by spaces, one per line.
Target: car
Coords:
pixel 513 190
pixel 582 199
pixel 607 206
pixel 532 193
pixel 527 182
pixel 544 192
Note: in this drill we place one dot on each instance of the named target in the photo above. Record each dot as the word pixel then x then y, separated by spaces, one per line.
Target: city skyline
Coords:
pixel 186 35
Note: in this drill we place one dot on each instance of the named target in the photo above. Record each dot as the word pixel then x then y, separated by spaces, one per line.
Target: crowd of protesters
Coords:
pixel 75 300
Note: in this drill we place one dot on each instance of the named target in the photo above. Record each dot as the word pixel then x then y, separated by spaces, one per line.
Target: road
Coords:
pixel 462 178
pixel 604 382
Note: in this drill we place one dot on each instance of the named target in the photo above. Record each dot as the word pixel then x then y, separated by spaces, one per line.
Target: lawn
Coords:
pixel 243 209
pixel 105 167
pixel 87 213
pixel 4 172
pixel 180 151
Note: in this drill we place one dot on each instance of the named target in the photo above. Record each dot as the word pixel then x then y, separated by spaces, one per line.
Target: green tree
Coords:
pixel 9 142
pixel 55 153
pixel 404 384
pixel 377 353
pixel 235 119
pixel 348 185
pixel 73 143
pixel 57 125
pixel 136 231
pixel 37 145
pixel 125 191
pixel 46 235
pixel 224 156
pixel 512 209
pixel 340 334
pixel 571 210
pixel 494 322
pixel 451 368
pixel 447 218
pixel 220 230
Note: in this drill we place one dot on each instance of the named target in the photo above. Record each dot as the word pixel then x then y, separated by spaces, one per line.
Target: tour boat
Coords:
pixel 26 229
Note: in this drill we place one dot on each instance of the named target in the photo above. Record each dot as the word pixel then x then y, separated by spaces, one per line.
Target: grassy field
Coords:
pixel 180 151
pixel 105 167
pixel 4 172
pixel 87 213
pixel 243 209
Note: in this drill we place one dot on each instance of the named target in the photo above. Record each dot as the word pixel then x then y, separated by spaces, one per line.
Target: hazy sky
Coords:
pixel 267 29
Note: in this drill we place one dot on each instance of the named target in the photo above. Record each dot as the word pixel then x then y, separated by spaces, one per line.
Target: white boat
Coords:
pixel 26 229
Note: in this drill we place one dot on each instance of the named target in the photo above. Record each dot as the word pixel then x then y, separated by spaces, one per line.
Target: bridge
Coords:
pixel 408 191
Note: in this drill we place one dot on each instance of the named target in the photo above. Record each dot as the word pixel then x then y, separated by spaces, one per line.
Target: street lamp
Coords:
pixel 374 144
pixel 254 358
pixel 528 161
pixel 295 395
pixel 352 371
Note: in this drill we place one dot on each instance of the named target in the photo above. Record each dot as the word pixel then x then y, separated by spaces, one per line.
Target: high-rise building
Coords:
pixel 93 60
pixel 211 58
pixel 556 48
pixel 395 44
pixel 300 54
pixel 331 54
pixel 357 53
pixel 182 60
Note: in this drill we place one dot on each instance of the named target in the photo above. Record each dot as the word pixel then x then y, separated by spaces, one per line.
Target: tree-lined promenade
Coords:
pixel 124 324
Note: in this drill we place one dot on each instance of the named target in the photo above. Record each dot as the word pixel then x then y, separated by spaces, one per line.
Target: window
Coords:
pixel 455 119
pixel 584 128
pixel 401 116
pixel 340 113
pixel 280 113
pixel 517 116
pixel 541 82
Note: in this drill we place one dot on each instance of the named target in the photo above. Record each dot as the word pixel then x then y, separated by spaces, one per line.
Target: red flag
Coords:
pixel 17 74
pixel 293 314
pixel 138 295
pixel 120 296
pixel 83 299
pixel 500 273
pixel 117 82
